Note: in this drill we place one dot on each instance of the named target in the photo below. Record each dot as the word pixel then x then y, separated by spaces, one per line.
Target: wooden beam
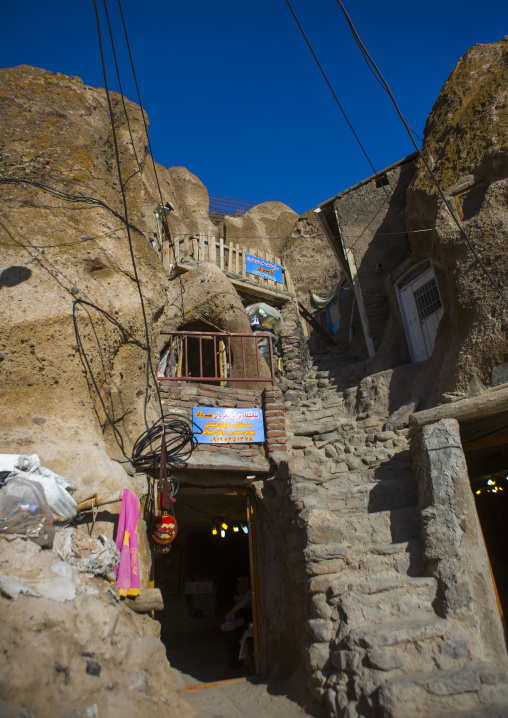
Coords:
pixel 315 324
pixel 485 443
pixel 493 401
pixel 149 599
pixel 360 304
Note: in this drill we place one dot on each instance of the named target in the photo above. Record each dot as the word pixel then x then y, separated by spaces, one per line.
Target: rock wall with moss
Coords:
pixel 466 145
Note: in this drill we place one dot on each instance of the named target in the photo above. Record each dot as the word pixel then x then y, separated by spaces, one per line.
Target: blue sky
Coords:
pixel 234 95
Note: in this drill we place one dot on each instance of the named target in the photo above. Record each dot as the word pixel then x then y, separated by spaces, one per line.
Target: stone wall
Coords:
pixel 372 226
pixel 295 352
pixel 380 559
pixel 180 398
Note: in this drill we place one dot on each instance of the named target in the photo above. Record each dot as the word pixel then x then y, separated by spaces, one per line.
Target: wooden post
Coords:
pixel 230 257
pixel 223 369
pixel 271 282
pixel 254 278
pixel 221 253
pixel 166 255
pixel 244 262
pixel 212 250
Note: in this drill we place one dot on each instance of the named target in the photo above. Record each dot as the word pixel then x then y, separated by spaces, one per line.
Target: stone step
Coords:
pixel 315 427
pixel 393 467
pixel 394 493
pixel 377 636
pixel 361 529
pixel 382 562
pixel 440 693
pixel 480 711
pixel 386 601
pixel 445 649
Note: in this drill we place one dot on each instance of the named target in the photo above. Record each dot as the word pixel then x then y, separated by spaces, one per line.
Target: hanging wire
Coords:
pixel 377 73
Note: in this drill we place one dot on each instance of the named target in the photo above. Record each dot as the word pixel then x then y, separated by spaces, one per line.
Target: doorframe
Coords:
pixel 413 330
pixel 253 554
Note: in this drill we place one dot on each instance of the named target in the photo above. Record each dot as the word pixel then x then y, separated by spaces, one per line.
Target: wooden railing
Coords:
pixel 229 256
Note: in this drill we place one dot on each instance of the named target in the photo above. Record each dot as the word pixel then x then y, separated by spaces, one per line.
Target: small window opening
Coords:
pixel 382 180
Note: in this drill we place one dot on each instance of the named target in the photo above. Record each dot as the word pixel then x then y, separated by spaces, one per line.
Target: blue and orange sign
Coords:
pixel 263 268
pixel 228 426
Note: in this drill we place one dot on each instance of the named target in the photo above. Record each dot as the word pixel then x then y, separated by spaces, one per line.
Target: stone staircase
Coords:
pixel 377 644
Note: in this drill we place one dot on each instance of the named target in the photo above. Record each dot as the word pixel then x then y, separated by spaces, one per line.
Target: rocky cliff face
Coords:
pixel 56 131
pixel 466 143
pixel 57 246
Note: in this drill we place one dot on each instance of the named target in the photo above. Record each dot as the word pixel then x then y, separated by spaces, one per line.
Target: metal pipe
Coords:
pixel 243 358
pixel 186 358
pixel 257 351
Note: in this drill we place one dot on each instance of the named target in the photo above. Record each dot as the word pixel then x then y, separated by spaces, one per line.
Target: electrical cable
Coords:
pixel 88 368
pixel 375 69
pixel 388 195
pixel 336 98
pixel 180 442
pixel 141 106
pixel 57 246
pixel 71 198
pixel 120 86
pixel 124 200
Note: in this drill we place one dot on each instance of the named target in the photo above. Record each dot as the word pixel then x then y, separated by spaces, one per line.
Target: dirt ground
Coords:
pixel 246 698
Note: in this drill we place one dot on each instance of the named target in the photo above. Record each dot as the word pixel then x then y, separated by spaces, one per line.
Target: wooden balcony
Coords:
pixel 231 258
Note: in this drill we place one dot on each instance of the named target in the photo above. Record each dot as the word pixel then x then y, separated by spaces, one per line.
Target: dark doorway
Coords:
pixel 203 357
pixel 199 583
pixel 487 462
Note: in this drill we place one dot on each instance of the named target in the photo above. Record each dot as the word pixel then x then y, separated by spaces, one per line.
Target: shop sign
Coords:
pixel 228 426
pixel 263 268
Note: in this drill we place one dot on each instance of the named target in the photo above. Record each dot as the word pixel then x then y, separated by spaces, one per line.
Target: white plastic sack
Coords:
pixel 268 316
pixel 24 511
pixel 58 585
pixel 55 487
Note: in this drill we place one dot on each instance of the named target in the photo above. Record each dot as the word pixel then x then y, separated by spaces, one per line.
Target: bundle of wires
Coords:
pixel 180 442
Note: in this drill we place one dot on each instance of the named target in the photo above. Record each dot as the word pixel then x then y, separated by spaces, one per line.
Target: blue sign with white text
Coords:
pixel 228 426
pixel 263 268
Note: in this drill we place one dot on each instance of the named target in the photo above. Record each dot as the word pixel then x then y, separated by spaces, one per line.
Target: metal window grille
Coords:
pixel 427 299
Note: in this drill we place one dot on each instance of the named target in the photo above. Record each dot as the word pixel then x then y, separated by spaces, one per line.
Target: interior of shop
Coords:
pixel 485 443
pixel 202 578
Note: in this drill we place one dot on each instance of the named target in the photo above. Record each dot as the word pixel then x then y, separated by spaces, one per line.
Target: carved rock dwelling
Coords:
pixel 368 514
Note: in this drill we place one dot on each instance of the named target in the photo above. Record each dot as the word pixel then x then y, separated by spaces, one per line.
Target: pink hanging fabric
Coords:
pixel 127 571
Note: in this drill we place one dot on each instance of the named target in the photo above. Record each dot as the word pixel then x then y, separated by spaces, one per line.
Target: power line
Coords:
pixel 140 103
pixel 120 86
pixel 71 198
pixel 124 201
pixel 336 98
pixel 377 73
pixel 62 244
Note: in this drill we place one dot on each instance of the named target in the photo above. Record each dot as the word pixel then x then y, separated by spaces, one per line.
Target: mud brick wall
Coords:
pixel 179 397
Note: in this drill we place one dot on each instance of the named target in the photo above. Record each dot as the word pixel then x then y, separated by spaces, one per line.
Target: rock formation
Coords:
pixel 264 227
pixel 466 144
